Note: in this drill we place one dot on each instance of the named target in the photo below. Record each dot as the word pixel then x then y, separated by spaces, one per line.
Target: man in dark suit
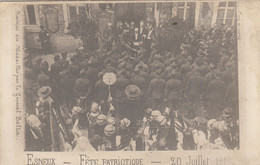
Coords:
pixel 44 39
pixel 108 36
pixel 142 29
pixel 194 90
pixel 135 40
pixel 149 36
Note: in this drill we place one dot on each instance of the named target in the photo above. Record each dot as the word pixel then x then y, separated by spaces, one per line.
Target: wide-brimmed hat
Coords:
pixel 132 91
pixel 94 114
pixel 101 119
pixel 76 110
pixel 44 91
pixel 111 120
pixel 109 130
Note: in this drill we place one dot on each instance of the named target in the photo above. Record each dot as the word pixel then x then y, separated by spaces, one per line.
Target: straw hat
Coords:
pixel 101 119
pixel 109 130
pixel 111 120
pixel 94 114
pixel 132 92
pixel 76 110
pixel 44 91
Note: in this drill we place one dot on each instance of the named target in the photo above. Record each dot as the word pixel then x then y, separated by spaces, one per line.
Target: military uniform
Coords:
pixel 140 82
pixel 173 92
pixel 194 90
pixel 43 79
pixel 82 87
pixel 101 91
pixel 156 92
pixel 56 68
pixel 215 96
pixel 118 88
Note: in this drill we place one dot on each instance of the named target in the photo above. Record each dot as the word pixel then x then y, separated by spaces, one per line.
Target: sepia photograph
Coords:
pixel 133 76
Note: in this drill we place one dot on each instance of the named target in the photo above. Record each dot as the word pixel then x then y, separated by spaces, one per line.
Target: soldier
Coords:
pixel 56 68
pixel 215 95
pixel 194 91
pixel 43 79
pixel 92 72
pixel 231 96
pixel 156 91
pixel 140 81
pixel 101 91
pixel 74 66
pixel 118 89
pixel 173 91
pixel 82 89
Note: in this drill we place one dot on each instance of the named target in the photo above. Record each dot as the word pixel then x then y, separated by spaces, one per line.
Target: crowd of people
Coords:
pixel 184 99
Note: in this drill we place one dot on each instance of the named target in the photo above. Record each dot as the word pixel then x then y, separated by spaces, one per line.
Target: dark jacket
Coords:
pixel 173 89
pixel 156 88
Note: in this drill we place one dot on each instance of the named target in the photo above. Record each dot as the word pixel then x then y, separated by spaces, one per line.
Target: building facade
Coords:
pixel 56 17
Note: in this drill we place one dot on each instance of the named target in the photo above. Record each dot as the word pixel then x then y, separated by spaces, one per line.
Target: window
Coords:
pixel 30 15
pixel 75 10
pixel 226 13
pixel 183 10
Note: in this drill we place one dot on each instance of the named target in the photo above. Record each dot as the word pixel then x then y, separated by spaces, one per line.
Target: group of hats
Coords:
pixel 110 129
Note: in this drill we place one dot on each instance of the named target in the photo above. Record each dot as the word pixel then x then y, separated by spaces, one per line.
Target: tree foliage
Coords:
pixel 171 33
pixel 84 28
